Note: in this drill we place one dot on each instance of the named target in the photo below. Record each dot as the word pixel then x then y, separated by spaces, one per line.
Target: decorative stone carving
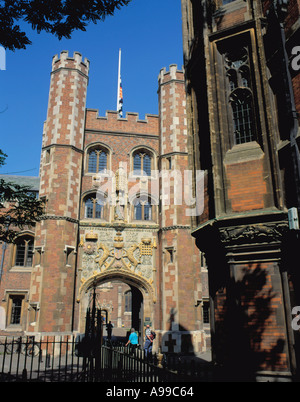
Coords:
pixel 131 257
pixel 105 253
pixel 251 234
pixel 134 257
pixel 146 247
pixel 91 236
pixel 89 248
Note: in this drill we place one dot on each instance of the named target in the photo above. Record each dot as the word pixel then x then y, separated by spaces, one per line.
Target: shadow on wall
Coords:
pixel 241 343
pixel 177 339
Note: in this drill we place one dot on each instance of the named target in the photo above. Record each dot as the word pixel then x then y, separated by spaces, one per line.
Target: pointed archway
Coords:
pixel 142 291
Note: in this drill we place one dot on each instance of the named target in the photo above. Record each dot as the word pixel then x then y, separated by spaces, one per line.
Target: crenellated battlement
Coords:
pixel 169 75
pixel 67 100
pixel 64 61
pixel 129 124
pixel 172 107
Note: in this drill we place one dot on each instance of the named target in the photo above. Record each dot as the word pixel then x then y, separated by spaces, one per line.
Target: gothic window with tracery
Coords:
pixel 93 208
pixel 142 209
pixel 24 252
pixel 240 95
pixel 97 160
pixel 142 162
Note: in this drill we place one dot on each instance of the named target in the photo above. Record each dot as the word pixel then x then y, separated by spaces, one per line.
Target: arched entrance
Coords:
pixel 121 294
pixel 137 309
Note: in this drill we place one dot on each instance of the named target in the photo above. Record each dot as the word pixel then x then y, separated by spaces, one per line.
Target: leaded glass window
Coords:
pixel 241 103
pixel 142 162
pixel 240 95
pixel 137 163
pixel 24 252
pixel 142 209
pixel 97 160
pixel 93 208
pixel 16 309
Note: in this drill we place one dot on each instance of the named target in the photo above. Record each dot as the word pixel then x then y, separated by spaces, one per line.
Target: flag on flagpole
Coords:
pixel 120 103
pixel 120 90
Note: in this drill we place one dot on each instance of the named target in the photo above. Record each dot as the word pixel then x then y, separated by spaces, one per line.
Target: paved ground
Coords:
pixel 206 356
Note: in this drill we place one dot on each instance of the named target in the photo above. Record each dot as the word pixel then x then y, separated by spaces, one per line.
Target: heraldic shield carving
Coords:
pixel 134 259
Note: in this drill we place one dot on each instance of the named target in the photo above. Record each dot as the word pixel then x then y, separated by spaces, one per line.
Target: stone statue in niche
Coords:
pixel 119 212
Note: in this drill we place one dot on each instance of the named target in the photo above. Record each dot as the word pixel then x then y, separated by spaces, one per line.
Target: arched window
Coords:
pixel 93 207
pixel 142 208
pixel 142 163
pixel 24 251
pixel 97 160
pixel 240 94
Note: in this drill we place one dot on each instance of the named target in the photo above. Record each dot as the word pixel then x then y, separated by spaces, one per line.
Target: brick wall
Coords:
pixel 246 185
pixel 238 15
pixel 180 258
pixel 249 320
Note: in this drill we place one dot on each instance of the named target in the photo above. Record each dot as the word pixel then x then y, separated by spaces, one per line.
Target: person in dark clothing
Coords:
pixel 109 328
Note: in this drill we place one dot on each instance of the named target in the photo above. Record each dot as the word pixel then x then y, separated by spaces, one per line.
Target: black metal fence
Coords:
pixel 119 365
pixel 70 359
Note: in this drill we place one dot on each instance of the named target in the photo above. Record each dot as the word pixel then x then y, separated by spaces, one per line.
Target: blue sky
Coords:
pixel 150 36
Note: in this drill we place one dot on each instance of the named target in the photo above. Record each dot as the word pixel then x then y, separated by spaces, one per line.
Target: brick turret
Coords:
pixel 181 270
pixel 60 173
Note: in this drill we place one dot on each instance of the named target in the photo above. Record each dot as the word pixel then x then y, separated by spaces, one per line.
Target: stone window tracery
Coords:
pixel 24 252
pixel 240 95
pixel 142 163
pixel 97 160
pixel 93 207
pixel 142 208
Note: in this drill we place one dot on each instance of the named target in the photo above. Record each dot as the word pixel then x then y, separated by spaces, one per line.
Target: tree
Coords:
pixel 58 17
pixel 19 207
pixel 2 158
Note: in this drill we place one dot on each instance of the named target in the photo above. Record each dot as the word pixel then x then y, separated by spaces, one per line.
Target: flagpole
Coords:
pixel 119 80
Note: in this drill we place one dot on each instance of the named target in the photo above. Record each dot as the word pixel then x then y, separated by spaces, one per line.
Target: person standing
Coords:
pixel 133 341
pixel 109 328
pixel 148 342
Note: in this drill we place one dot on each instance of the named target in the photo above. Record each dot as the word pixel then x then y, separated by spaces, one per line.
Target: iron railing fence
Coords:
pixel 64 359
pixel 119 365
pixel 51 359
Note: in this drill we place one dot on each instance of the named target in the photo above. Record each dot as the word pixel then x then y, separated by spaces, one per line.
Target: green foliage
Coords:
pixel 58 17
pixel 19 207
pixel 2 158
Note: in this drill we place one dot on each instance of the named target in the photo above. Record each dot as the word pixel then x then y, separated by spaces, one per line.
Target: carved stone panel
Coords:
pixel 128 250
